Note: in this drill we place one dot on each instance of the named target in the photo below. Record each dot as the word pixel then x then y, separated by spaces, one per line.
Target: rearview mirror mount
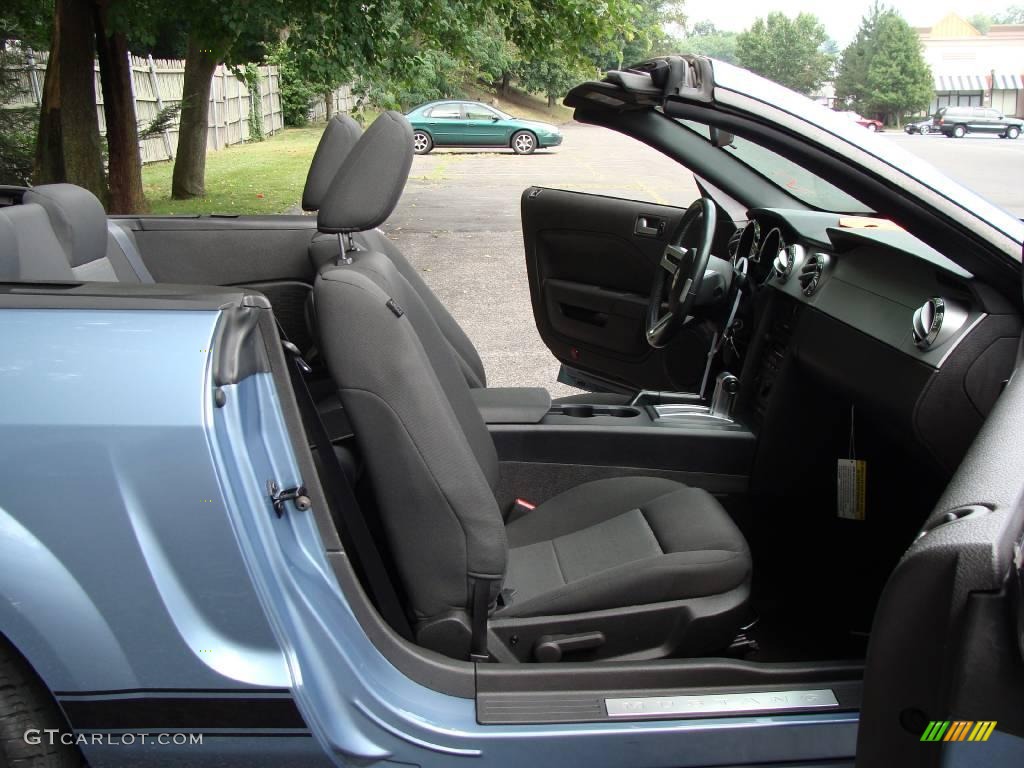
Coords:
pixel 720 138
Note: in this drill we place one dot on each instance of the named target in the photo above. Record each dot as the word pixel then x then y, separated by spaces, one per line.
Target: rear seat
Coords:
pixel 60 232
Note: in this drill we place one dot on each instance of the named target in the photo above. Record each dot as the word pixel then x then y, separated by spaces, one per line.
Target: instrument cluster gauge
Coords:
pixel 770 247
pixel 750 240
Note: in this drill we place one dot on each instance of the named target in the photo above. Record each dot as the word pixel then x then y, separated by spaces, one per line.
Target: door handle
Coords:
pixel 649 226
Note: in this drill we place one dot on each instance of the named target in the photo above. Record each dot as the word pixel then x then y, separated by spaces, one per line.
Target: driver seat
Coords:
pixel 328 188
pixel 630 567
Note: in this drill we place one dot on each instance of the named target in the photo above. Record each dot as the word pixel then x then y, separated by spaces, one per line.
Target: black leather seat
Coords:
pixel 641 566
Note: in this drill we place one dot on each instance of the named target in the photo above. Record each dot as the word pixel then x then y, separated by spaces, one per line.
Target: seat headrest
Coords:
pixel 77 218
pixel 371 180
pixel 340 135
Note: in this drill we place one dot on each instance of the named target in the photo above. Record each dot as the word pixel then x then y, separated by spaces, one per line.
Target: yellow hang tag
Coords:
pixel 851 484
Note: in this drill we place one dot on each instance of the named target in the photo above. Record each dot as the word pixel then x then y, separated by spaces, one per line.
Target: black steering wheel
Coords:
pixel 682 269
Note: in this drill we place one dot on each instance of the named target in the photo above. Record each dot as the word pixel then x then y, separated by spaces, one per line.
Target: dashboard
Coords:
pixel 870 315
pixel 866 274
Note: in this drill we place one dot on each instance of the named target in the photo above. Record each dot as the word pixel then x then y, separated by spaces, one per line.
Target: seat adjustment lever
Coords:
pixel 550 648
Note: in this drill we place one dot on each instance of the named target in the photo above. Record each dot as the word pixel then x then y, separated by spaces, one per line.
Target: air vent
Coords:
pixel 786 260
pixel 810 274
pixel 936 321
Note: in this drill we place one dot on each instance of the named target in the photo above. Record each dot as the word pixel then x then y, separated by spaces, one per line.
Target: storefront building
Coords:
pixel 972 69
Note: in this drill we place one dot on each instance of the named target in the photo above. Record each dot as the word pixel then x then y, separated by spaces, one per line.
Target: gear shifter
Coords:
pixel 724 397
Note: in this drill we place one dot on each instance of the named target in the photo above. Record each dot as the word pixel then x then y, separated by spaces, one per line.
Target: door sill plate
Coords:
pixel 720 703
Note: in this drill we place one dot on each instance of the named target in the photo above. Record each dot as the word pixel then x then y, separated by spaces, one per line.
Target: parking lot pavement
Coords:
pixel 988 165
pixel 458 222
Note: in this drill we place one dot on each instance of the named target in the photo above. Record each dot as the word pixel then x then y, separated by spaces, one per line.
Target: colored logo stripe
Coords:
pixel 982 730
pixel 935 731
pixel 958 730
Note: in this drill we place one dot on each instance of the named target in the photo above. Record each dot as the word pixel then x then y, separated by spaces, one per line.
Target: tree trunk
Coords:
pixel 552 100
pixel 68 144
pixel 189 177
pixel 329 101
pixel 506 83
pixel 124 170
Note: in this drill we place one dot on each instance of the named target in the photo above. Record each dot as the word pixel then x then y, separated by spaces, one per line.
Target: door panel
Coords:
pixel 591 261
pixel 947 644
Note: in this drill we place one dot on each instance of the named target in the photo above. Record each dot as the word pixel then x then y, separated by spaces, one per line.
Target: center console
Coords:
pixel 663 433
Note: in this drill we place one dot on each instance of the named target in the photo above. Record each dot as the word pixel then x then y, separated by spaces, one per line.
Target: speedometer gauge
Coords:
pixel 770 246
pixel 750 239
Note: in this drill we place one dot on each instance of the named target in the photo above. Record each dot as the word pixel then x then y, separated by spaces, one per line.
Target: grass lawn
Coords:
pixel 262 177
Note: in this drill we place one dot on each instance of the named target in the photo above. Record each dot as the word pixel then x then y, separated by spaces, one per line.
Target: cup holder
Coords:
pixel 583 411
pixel 578 411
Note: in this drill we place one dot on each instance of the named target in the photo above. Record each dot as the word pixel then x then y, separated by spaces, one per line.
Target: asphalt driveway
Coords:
pixel 458 222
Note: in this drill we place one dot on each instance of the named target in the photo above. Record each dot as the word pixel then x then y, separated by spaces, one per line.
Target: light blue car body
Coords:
pixel 146 577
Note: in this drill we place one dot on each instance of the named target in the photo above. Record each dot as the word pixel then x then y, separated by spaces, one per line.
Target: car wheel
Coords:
pixel 924 130
pixel 959 131
pixel 421 142
pixel 1012 132
pixel 523 142
pixel 26 705
pixel 872 127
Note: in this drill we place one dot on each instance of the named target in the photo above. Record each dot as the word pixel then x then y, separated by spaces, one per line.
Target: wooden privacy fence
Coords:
pixel 342 100
pixel 158 83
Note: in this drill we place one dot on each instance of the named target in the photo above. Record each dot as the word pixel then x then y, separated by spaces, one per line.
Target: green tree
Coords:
pixel 554 77
pixel 981 22
pixel 707 40
pixel 24 25
pixel 335 38
pixel 851 82
pixel 788 51
pixel 899 80
pixel 1012 15
pixel 68 142
pixel 124 166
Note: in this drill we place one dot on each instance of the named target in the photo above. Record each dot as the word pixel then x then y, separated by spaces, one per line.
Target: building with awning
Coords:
pixel 972 69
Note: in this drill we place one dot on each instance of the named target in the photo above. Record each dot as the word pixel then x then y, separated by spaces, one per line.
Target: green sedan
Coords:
pixel 472 124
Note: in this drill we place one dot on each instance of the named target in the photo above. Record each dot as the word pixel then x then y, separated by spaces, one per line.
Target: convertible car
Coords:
pixel 258 505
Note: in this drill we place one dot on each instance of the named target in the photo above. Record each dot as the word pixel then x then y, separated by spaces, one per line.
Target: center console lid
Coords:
pixel 512 405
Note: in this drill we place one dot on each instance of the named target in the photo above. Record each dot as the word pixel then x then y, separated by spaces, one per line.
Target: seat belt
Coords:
pixel 125 243
pixel 479 610
pixel 345 511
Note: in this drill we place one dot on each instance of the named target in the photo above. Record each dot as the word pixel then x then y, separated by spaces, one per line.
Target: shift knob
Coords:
pixel 724 396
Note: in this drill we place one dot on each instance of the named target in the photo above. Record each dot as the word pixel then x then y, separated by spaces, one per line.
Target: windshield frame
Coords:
pixel 849 205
